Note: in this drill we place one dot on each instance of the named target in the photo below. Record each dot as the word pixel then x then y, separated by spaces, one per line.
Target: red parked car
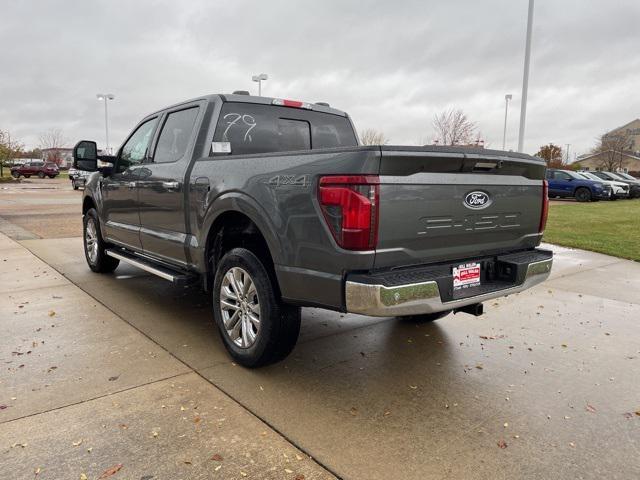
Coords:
pixel 36 167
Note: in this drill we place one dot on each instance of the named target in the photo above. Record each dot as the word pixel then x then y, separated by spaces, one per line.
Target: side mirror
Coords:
pixel 85 156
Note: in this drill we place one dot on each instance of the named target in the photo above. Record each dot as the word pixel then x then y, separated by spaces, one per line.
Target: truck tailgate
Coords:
pixel 437 207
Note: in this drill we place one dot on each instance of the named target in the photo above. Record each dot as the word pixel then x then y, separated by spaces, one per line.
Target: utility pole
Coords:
pixel 568 145
pixel 525 78
pixel 507 97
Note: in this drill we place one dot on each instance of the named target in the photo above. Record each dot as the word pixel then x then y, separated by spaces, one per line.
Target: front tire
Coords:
pixel 256 327
pixel 15 174
pixel 94 245
pixel 583 194
pixel 41 175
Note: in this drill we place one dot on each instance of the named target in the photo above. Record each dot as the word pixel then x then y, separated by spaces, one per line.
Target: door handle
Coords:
pixel 171 185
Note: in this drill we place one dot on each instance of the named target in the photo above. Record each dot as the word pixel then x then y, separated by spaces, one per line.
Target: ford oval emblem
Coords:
pixel 477 200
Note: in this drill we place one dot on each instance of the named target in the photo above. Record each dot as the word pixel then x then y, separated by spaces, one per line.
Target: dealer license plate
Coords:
pixel 466 275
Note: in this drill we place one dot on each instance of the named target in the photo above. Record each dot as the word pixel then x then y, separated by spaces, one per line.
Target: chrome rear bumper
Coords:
pixel 424 297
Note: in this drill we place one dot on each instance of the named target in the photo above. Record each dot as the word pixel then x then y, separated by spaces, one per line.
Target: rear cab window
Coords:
pixel 249 128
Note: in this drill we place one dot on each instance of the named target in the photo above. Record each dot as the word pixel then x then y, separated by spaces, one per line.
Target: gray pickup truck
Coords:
pixel 273 205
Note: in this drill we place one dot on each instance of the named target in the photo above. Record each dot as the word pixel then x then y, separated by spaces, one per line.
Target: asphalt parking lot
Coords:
pixel 102 371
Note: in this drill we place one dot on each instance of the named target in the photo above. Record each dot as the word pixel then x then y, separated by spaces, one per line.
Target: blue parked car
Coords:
pixel 567 184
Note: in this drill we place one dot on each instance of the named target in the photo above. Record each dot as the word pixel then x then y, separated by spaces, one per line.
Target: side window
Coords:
pixel 550 175
pixel 134 151
pixel 562 176
pixel 175 135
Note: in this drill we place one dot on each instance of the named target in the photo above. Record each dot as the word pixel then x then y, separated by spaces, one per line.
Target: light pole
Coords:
pixel 259 79
pixel 507 97
pixel 568 145
pixel 106 97
pixel 525 78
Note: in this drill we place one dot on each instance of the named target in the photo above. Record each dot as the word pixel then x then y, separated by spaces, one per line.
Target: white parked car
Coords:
pixel 618 189
pixel 78 178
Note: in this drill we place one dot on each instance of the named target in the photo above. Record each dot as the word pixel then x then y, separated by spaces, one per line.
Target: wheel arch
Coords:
pixel 238 223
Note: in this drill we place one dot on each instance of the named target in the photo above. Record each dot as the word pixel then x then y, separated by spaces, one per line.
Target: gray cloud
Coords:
pixel 391 65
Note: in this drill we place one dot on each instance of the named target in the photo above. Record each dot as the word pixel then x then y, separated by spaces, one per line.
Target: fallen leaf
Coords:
pixel 288 470
pixel 2 407
pixel 502 444
pixel 243 474
pixel 590 408
pixel 83 477
pixel 299 477
pixel 479 367
pixel 110 471
pixel 37 471
pixel 196 420
pixel 75 444
pixel 51 313
pixel 217 457
pixel 114 378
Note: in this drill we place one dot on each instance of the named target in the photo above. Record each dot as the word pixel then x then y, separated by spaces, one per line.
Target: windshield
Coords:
pixel 590 176
pixel 627 176
pixel 572 174
pixel 617 176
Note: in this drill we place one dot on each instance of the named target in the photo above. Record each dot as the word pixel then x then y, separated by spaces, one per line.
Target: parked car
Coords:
pixel 618 189
pixel 568 184
pixel 36 167
pixel 634 183
pixel 272 205
pixel 78 178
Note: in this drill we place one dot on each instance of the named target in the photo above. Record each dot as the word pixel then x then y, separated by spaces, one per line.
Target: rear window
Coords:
pixel 253 128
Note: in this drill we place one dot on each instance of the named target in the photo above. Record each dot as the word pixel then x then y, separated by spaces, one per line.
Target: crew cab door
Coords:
pixel 163 231
pixel 120 209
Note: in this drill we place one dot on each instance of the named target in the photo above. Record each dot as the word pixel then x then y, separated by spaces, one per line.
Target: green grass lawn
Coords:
pixel 606 227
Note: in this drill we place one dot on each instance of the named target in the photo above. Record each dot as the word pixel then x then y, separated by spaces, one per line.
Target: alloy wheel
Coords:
pixel 91 240
pixel 240 307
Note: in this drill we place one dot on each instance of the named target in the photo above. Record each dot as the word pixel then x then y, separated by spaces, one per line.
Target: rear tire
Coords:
pixel 95 246
pixel 583 194
pixel 256 327
pixel 427 317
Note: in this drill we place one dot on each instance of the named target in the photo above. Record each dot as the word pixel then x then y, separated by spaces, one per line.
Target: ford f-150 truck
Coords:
pixel 272 205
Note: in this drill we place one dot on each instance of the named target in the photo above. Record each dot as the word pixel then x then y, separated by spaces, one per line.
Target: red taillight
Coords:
pixel 350 206
pixel 545 206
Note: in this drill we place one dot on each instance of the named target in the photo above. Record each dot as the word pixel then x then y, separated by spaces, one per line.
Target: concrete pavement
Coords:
pixel 544 385
pixel 82 392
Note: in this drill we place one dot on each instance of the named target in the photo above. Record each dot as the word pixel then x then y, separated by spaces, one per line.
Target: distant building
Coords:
pixel 629 159
pixel 63 157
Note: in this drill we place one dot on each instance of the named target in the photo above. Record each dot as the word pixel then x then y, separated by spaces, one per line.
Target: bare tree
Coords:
pixel 611 146
pixel 371 136
pixel 453 127
pixel 9 149
pixel 54 140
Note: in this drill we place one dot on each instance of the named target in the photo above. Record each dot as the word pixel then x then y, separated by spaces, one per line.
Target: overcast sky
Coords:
pixel 391 64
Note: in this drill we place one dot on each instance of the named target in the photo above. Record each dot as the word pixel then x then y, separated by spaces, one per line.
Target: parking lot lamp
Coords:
pixel 259 79
pixel 507 97
pixel 106 97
